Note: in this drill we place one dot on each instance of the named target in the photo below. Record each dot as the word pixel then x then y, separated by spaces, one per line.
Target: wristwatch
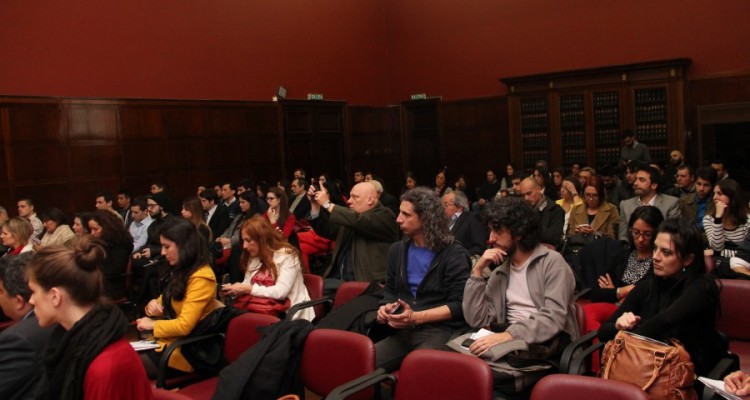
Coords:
pixel 326 205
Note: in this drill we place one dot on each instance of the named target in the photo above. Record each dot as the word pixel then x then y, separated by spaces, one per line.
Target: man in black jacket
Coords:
pixel 465 226
pixel 424 284
pixel 552 216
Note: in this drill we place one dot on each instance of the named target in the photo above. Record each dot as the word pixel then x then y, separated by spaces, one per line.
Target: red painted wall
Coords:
pixel 363 51
pixel 194 49
pixel 459 49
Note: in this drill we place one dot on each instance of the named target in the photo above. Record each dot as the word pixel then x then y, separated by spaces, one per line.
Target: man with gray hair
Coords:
pixel 21 345
pixel 465 226
pixel 551 216
pixel 428 265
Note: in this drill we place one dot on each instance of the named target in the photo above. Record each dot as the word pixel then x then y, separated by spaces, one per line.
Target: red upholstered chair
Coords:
pixel 430 374
pixel 316 290
pixel 348 291
pixel 576 387
pixel 242 333
pixel 733 322
pixel 332 357
pixel 162 394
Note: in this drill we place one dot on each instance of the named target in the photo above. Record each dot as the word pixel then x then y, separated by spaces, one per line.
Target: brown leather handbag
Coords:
pixel 663 371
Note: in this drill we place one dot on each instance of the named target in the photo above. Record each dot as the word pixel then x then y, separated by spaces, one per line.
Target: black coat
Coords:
pixel 471 233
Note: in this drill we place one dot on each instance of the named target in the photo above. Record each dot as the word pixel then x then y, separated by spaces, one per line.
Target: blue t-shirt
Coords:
pixel 419 260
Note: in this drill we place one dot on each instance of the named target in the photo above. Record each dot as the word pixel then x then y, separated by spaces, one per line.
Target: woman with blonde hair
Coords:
pixel 16 234
pixel 272 271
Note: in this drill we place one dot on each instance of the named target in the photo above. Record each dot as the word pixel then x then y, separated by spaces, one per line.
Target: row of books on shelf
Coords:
pixel 606 116
pixel 659 153
pixel 650 95
pixel 530 157
pixel 571 102
pixel 572 118
pixel 653 112
pixel 607 154
pixel 651 131
pixel 607 137
pixel 573 155
pixel 607 99
pixel 574 138
pixel 535 104
pixel 535 139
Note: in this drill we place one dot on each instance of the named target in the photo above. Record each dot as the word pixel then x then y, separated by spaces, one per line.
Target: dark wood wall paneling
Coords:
pixel 375 145
pixel 475 137
pixel 60 152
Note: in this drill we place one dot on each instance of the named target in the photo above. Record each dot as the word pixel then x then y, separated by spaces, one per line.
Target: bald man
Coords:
pixel 363 232
pixel 552 216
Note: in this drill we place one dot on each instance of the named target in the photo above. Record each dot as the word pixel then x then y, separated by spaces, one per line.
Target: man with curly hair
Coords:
pixel 529 295
pixel 424 283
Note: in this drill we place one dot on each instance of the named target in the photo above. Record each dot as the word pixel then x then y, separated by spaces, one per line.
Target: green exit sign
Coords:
pixel 419 96
pixel 314 96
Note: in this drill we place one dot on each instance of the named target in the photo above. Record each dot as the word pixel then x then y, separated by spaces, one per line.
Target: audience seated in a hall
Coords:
pixel 558 174
pixel 537 312
pixel 675 162
pixel 81 223
pixel 410 181
pixel 157 187
pixel 299 205
pixel 628 267
pixel 279 216
pixel 189 295
pixel 489 189
pixel 141 220
pixel 505 182
pixel 161 208
pixel 721 171
pixel 462 186
pixel 310 243
pixel 595 216
pixel 124 201
pixel 466 226
pixel 21 345
pixel 544 180
pixel 271 269
pixel 585 174
pixel 231 238
pixel 612 185
pixel 726 221
pixel 627 189
pixel 4 217
pixel 87 355
pixel 694 205
pixel 26 211
pixel 632 149
pixel 551 216
pixel 16 235
pixel 363 233
pixel 217 215
pixel 441 182
pixel 424 284
pixel 678 300
pixel 646 193
pixel 570 194
pixel 56 228
pixel 118 245
pixel 192 210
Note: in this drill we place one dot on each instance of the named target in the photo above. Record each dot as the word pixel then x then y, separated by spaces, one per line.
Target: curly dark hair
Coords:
pixel 113 230
pixel 517 216
pixel 431 213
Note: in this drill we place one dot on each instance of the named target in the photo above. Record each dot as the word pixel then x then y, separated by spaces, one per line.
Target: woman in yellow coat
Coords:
pixel 189 296
pixel 595 215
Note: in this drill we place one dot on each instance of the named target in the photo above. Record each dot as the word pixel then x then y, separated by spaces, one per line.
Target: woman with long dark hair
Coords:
pixel 231 238
pixel 278 212
pixel 66 284
pixel 81 223
pixel 106 226
pixel 188 297
pixel 677 300
pixel 272 268
pixel 192 210
pixel 56 228
pixel 726 222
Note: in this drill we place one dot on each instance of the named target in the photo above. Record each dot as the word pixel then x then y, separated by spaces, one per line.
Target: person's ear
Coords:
pixel 55 296
pixel 688 260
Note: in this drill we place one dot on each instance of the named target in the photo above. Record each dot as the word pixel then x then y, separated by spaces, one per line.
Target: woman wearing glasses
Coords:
pixel 595 215
pixel 278 212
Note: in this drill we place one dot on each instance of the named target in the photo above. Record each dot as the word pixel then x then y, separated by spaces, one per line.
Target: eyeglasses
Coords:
pixel 591 195
pixel 447 204
pixel 270 198
pixel 646 235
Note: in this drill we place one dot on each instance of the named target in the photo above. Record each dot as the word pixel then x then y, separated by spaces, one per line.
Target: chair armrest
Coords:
pixel 585 293
pixel 306 304
pixel 572 350
pixel 584 356
pixel 347 389
pixel 161 376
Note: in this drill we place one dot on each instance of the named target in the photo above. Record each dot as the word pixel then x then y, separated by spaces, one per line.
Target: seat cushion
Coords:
pixel 200 390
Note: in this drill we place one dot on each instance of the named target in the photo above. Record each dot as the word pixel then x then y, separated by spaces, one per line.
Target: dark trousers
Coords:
pixel 390 351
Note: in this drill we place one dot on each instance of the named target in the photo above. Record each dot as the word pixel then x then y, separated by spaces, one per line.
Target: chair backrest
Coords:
pixel 348 291
pixel 595 258
pixel 577 387
pixel 333 357
pixel 314 285
pixel 735 296
pixel 242 333
pixel 581 319
pixel 436 374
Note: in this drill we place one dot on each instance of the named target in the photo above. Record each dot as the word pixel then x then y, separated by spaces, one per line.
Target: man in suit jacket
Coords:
pixel 21 345
pixel 646 188
pixel 363 232
pixel 465 226
pixel 217 215
pixel 694 205
pixel 299 205
pixel 552 216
